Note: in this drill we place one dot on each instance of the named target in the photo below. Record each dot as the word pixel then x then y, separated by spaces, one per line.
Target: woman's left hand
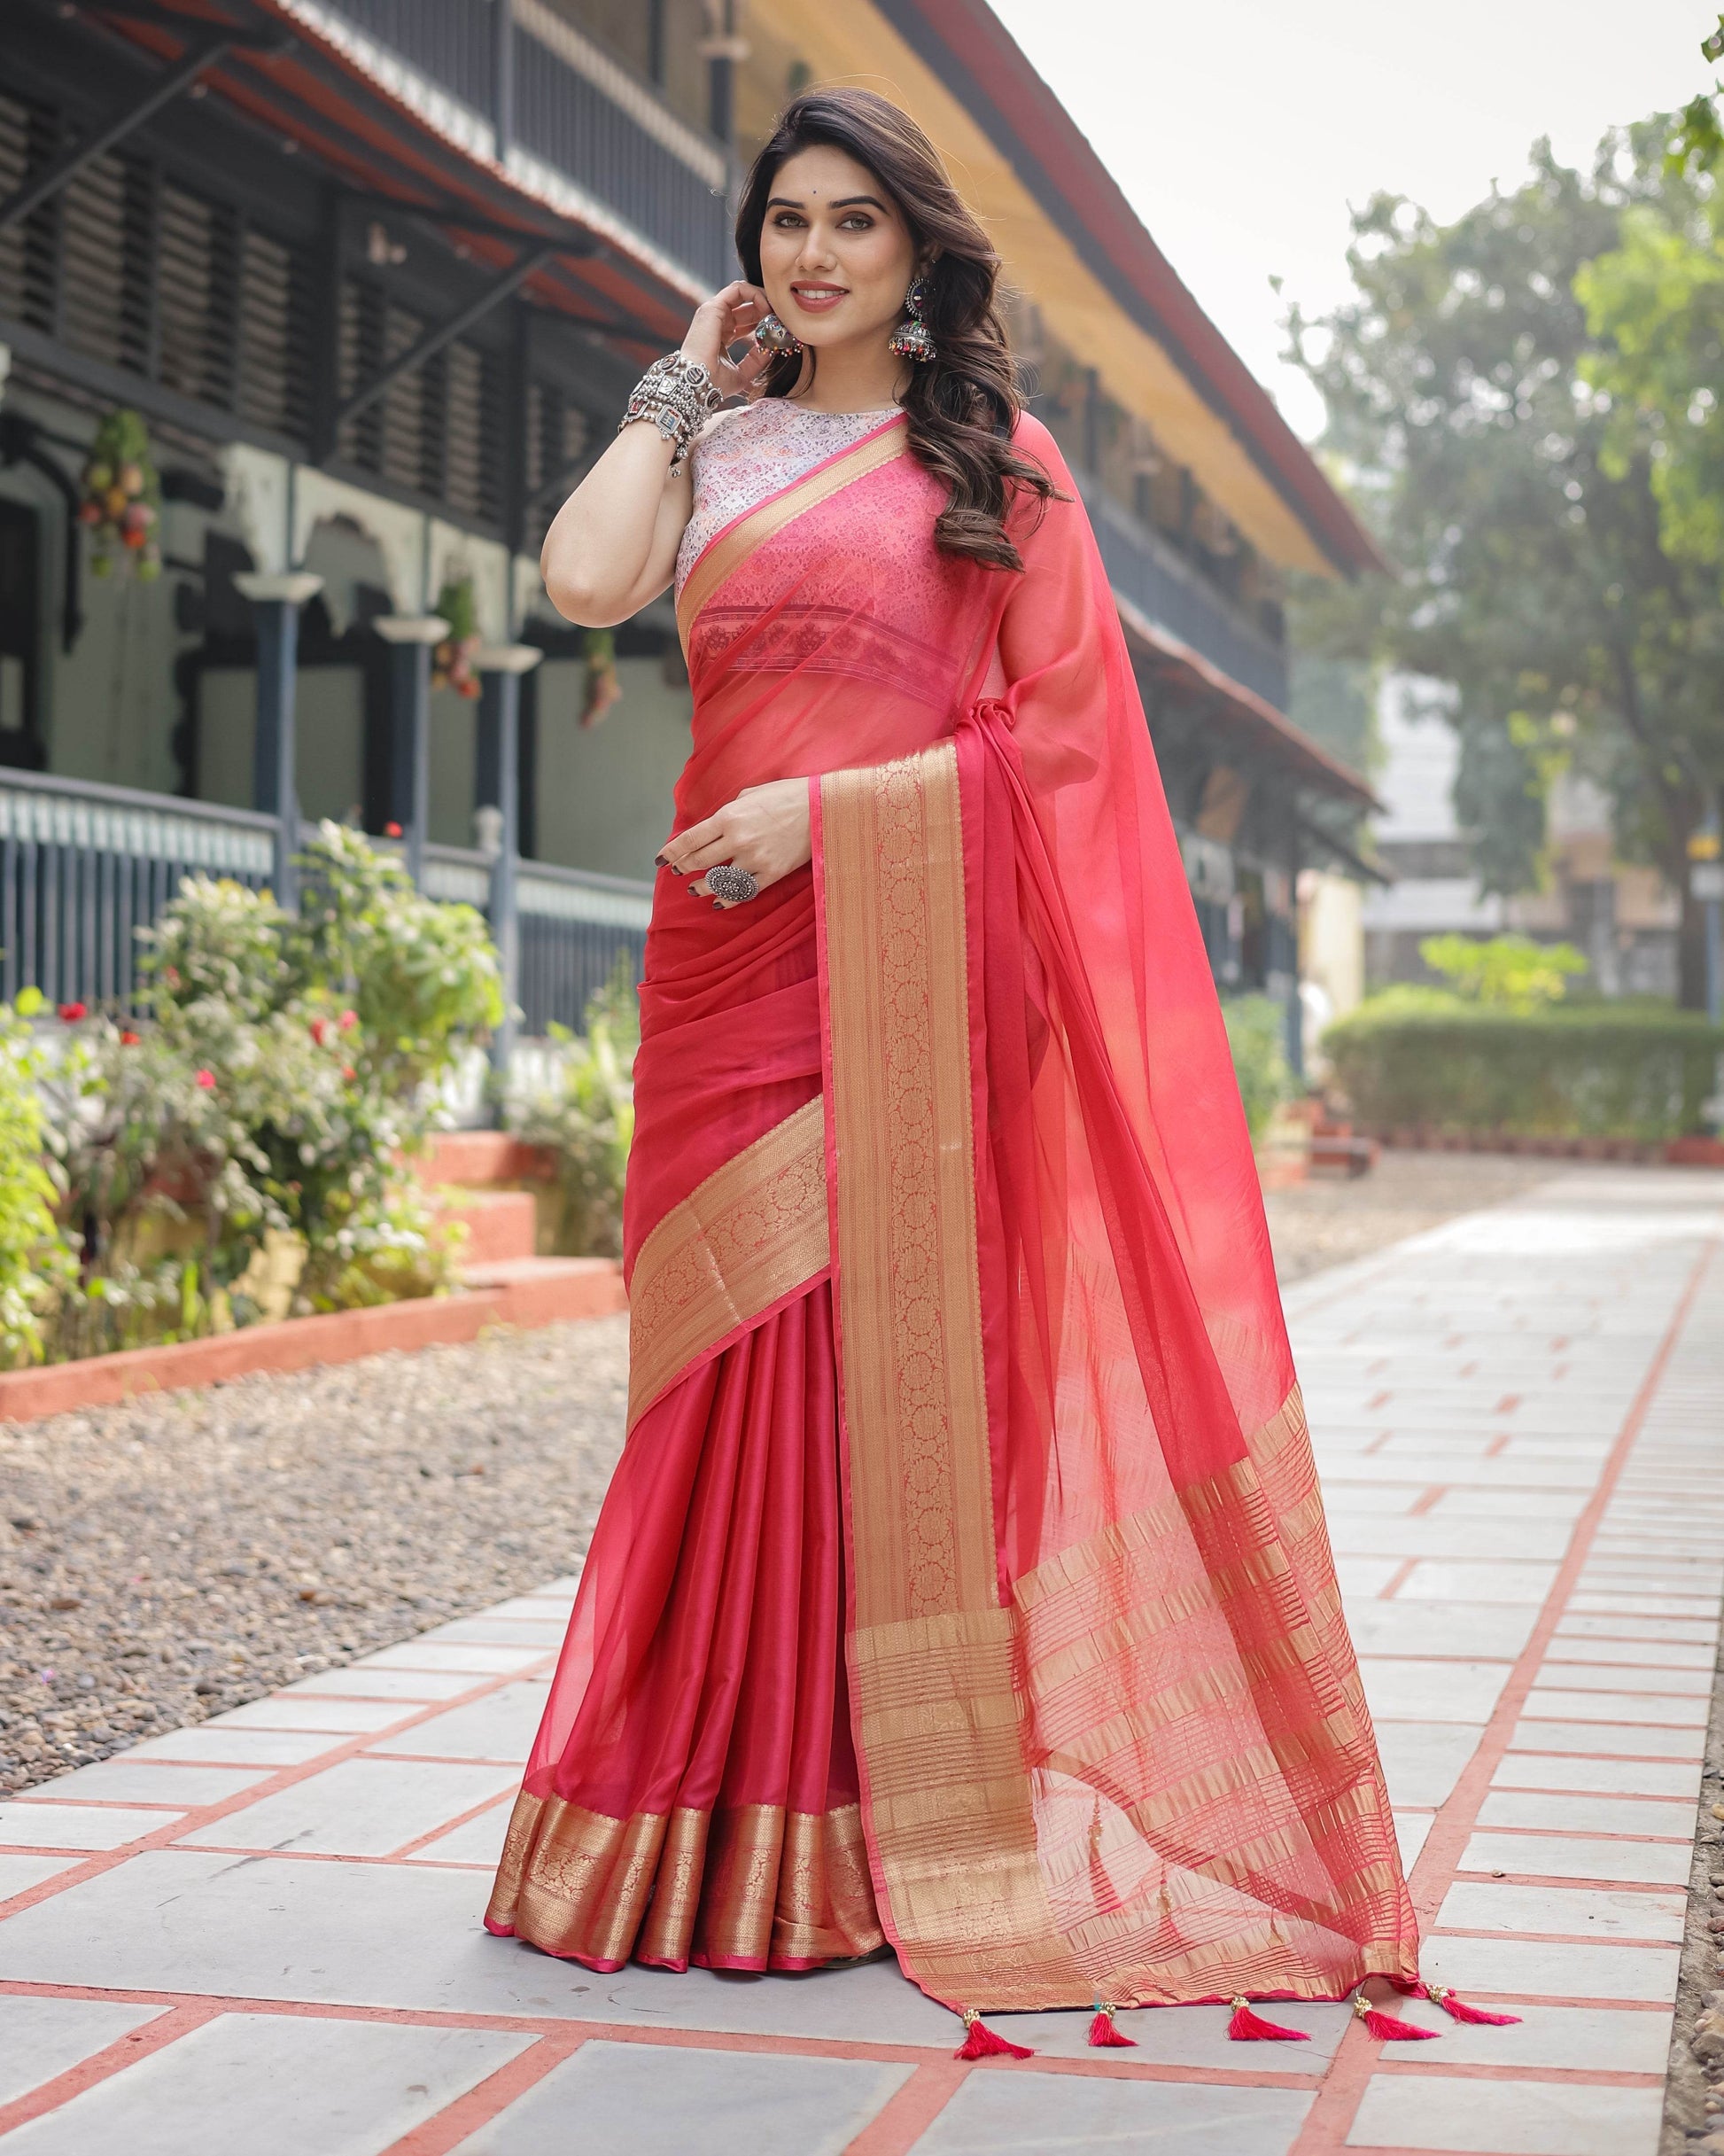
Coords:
pixel 765 830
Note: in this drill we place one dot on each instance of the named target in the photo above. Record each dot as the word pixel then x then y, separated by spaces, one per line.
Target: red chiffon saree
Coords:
pixel 963 1583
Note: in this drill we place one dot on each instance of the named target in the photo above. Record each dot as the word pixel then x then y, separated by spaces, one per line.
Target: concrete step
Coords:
pixel 544 1290
pixel 481 1157
pixel 501 1223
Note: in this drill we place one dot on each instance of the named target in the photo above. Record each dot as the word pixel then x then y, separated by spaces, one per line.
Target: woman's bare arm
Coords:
pixel 613 545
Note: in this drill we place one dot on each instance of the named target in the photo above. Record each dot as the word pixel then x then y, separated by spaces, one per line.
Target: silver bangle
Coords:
pixel 677 396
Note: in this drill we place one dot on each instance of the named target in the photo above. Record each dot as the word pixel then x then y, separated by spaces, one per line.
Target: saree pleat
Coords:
pixel 703 1804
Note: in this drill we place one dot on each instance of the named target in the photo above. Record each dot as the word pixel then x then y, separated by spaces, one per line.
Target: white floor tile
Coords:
pixel 1428 2111
pixel 476 1842
pixel 1558 1969
pixel 1564 1704
pixel 1651 1863
pixel 46 2038
pixel 294 1711
pixel 19 1874
pixel 127 1780
pixel 275 2085
pixel 368 1684
pixel 77 1826
pixel 358 1807
pixel 1575 1912
pixel 1575 1813
pixel 239 1747
pixel 456 1655
pixel 1424 1691
pixel 502 1725
pixel 610 2098
pixel 1645 1778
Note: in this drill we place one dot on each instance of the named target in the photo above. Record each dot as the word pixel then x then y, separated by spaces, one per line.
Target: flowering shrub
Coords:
pixel 1257 1030
pixel 587 1119
pixel 288 1069
pixel 35 1262
pixel 421 978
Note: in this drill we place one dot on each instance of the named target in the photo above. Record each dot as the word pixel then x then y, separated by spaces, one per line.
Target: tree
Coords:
pixel 1655 307
pixel 1465 390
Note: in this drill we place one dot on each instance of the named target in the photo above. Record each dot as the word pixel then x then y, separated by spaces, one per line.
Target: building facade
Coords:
pixel 377 276
pixel 1624 919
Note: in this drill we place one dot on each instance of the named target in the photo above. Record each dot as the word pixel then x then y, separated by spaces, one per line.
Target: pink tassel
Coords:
pixel 1457 2009
pixel 979 2041
pixel 1248 2027
pixel 1105 2036
pixel 1452 2004
pixel 1385 2028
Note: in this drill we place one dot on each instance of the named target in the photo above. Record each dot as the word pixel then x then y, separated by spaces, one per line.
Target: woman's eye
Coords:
pixel 856 223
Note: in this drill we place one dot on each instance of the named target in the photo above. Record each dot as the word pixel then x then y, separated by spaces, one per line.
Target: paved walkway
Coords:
pixel 263 1933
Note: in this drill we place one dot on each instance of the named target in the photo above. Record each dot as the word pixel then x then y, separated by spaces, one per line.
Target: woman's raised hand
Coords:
pixel 765 830
pixel 719 322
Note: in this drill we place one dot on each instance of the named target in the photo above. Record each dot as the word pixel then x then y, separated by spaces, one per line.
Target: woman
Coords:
pixel 963 1583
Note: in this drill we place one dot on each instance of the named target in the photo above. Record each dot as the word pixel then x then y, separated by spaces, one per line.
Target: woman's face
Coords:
pixel 835 255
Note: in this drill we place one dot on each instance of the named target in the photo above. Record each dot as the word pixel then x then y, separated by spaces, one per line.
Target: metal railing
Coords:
pixel 1163 586
pixel 573 926
pixel 84 867
pixel 568 103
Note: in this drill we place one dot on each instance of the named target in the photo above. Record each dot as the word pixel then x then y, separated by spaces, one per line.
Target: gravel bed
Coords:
pixel 1694 2090
pixel 166 1560
pixel 1329 1221
pixel 163 1560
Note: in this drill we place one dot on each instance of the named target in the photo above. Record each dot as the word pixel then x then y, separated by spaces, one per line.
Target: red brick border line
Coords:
pixel 297 1344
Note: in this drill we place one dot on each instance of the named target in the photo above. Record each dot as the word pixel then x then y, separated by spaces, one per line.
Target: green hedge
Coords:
pixel 1579 1072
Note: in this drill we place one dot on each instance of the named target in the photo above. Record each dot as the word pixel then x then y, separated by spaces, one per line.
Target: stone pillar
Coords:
pixel 412 637
pixel 275 783
pixel 497 797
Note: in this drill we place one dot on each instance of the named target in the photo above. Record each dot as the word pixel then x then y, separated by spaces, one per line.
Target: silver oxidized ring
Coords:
pixel 727 881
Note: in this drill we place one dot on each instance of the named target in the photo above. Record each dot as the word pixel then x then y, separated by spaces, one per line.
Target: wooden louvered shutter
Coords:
pixel 106 218
pixel 27 248
pixel 274 359
pixel 197 297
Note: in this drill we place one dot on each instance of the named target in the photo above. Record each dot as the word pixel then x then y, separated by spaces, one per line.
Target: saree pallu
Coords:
pixel 954 1331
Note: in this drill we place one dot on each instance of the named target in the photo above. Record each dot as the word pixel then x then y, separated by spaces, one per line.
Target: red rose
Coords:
pixel 72 1012
pixel 348 1020
pixel 129 1041
pixel 392 830
pixel 320 1030
pixel 347 1071
pixel 207 1079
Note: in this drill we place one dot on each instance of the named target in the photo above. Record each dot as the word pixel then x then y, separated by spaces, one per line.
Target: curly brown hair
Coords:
pixel 960 405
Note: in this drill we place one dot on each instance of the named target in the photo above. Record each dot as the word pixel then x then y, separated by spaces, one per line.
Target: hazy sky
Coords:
pixel 1241 129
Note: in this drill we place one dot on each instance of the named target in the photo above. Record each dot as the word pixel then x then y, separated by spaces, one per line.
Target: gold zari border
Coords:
pixel 932 1655
pixel 732 547
pixel 750 1885
pixel 755 1230
pixel 1093 1789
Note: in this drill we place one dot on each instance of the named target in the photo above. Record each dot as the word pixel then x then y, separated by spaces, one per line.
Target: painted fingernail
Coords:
pixel 717 905
pixel 659 862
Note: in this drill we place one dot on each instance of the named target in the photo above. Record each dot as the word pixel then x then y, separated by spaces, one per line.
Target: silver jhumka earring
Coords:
pixel 771 335
pixel 911 339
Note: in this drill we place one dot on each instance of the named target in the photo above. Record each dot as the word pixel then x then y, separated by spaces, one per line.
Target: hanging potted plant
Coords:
pixel 451 660
pixel 603 689
pixel 122 504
